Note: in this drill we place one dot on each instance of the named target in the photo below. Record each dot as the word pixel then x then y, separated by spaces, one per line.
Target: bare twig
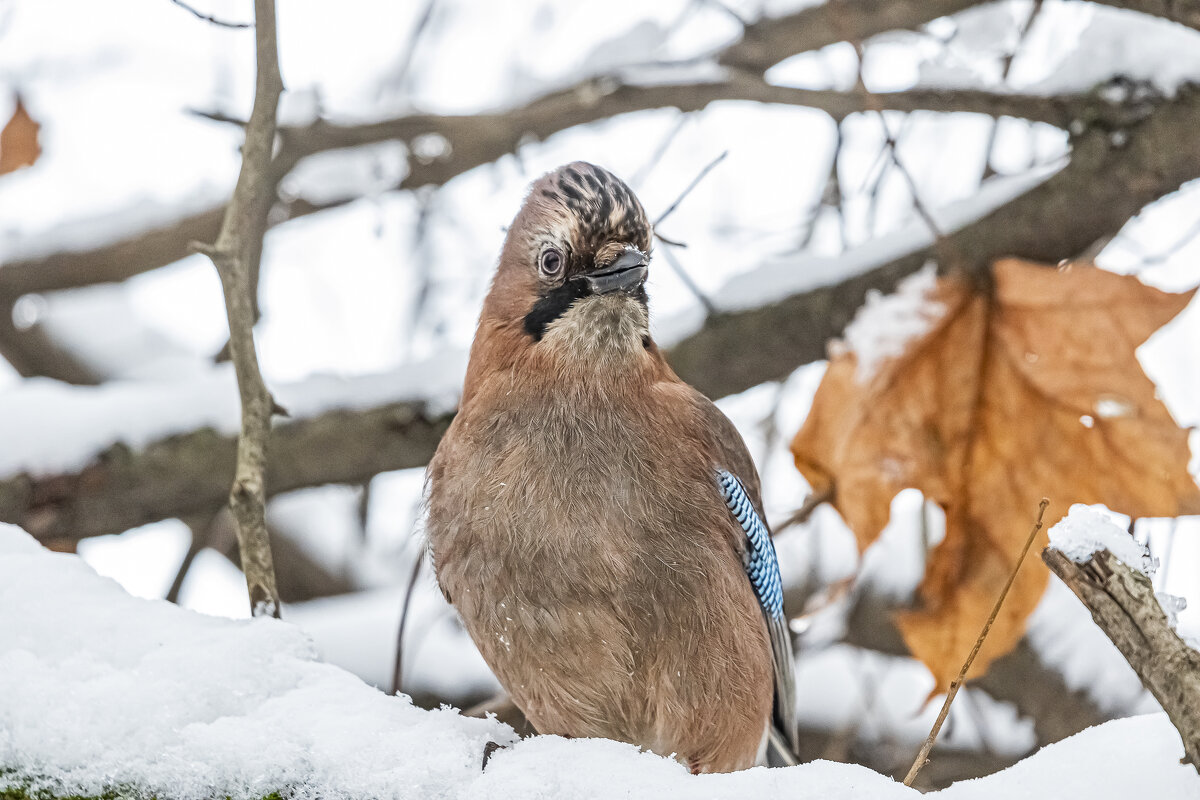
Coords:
pixel 238 245
pixel 806 509
pixel 1009 58
pixel 872 102
pixel 923 756
pixel 1123 604
pixel 211 19
pixel 695 182
pixel 482 138
pixel 199 526
pixel 398 667
pixel 644 171
pixel 682 274
pixel 401 75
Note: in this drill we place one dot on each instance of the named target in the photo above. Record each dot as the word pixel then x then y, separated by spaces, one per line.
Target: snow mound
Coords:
pixel 99 689
pixel 1085 531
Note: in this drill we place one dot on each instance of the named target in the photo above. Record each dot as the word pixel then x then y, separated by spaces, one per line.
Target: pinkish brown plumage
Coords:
pixel 574 514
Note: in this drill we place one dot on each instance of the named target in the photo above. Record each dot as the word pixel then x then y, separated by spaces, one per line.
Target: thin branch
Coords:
pixel 238 245
pixel 211 19
pixel 806 509
pixel 1007 62
pixel 32 351
pixel 401 74
pixel 643 172
pixel 695 182
pixel 683 276
pixel 871 100
pixel 199 527
pixel 398 667
pixel 482 138
pixel 923 756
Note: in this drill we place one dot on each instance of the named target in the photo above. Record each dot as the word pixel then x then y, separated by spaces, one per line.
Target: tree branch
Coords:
pixel 1123 604
pixel 190 474
pixel 483 138
pixel 769 41
pixel 1108 180
pixel 31 351
pixel 1103 186
pixel 209 18
pixel 1185 12
pixel 238 246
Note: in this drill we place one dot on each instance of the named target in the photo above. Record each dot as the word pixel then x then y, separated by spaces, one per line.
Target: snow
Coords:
pixel 1085 531
pixel 88 419
pixel 358 633
pixel 1117 43
pixel 779 278
pixel 1172 605
pixel 1136 757
pixel 99 689
pixel 885 324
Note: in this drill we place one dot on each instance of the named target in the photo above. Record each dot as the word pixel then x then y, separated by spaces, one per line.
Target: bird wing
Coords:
pixel 762 568
pixel 740 490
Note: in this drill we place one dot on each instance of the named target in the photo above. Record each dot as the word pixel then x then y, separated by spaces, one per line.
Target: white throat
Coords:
pixel 602 328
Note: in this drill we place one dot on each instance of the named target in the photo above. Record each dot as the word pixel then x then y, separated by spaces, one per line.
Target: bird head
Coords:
pixel 572 274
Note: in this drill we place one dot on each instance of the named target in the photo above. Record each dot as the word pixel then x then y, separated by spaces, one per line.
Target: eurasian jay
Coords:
pixel 596 522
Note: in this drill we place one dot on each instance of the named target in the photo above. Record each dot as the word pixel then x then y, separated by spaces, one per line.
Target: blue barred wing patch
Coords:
pixel 762 566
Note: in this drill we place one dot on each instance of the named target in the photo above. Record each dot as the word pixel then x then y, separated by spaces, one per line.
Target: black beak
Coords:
pixel 626 274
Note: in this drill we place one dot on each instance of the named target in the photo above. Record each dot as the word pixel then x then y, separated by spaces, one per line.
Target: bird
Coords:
pixel 596 522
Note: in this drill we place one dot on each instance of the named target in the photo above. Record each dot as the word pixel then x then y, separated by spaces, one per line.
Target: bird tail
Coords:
pixel 778 744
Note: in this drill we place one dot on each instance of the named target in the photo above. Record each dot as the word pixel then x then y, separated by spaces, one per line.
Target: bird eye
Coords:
pixel 551 262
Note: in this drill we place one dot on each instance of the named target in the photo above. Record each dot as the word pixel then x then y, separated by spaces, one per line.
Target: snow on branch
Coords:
pixel 1121 599
pixel 473 140
pixel 770 320
pixel 1185 12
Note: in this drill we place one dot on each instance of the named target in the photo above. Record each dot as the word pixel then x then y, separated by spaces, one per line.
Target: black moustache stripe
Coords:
pixel 552 305
pixel 556 302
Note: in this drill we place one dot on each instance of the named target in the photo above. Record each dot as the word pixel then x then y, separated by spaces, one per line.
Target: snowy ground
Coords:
pixel 101 689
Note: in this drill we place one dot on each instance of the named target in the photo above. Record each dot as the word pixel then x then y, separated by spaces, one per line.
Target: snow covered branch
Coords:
pixel 1109 178
pixel 770 40
pixel 1185 12
pixel 749 340
pixel 1121 600
pixel 470 141
pixel 474 140
pixel 191 474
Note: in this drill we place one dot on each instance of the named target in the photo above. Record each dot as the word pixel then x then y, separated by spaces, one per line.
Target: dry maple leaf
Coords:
pixel 1032 391
pixel 19 140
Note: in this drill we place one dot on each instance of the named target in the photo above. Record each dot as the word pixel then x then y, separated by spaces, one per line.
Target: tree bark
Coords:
pixel 1122 602
pixel 235 255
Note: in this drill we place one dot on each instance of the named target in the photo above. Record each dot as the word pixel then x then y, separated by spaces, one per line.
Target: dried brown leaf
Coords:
pixel 19 140
pixel 1032 391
